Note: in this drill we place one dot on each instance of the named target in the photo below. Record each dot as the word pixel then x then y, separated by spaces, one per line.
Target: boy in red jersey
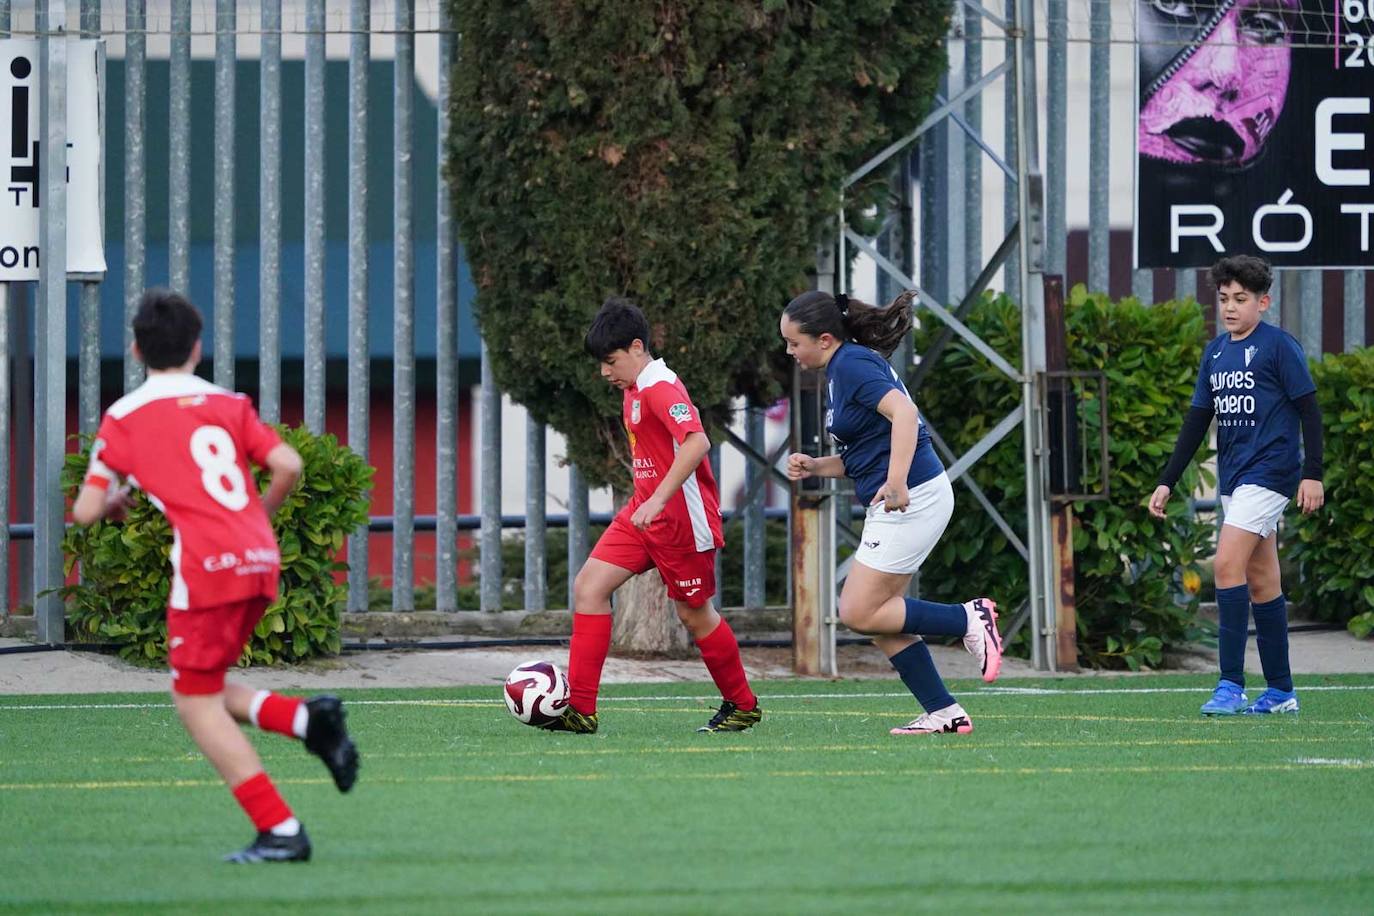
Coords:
pixel 672 522
pixel 186 443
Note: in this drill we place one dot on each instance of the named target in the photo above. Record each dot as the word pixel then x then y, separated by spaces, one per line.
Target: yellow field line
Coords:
pixel 772 774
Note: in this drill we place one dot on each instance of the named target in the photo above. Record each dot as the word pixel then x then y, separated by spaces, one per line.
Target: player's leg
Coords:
pixel 1235 546
pixel 942 714
pixel 892 547
pixel 319 722
pixel 619 554
pixel 1270 610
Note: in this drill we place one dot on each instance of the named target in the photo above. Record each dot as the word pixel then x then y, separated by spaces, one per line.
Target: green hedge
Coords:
pixel 122 598
pixel 1135 591
pixel 1333 549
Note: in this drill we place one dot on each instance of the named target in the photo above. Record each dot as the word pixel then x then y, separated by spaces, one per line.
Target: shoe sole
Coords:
pixel 993 666
pixel 1221 712
pixel 345 775
pixel 1270 712
pixel 961 730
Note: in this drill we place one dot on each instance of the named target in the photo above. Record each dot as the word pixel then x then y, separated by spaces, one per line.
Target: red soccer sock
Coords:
pixel 720 652
pixel 261 802
pixel 591 640
pixel 273 712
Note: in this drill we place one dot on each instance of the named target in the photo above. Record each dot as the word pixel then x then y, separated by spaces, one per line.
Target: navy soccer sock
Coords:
pixel 1233 618
pixel 1271 636
pixel 917 670
pixel 929 618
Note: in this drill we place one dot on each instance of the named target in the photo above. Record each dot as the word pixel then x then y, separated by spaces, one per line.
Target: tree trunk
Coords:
pixel 646 619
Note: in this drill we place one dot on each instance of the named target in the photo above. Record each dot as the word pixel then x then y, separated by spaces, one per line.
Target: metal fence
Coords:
pixel 953 171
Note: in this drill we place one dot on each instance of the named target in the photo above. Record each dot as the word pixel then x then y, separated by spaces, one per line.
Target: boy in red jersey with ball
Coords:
pixel 672 522
pixel 187 443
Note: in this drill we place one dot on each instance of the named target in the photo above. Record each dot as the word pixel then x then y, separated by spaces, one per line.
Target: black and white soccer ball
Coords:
pixel 536 693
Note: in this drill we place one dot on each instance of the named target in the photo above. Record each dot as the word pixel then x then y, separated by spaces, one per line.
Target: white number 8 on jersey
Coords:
pixel 212 449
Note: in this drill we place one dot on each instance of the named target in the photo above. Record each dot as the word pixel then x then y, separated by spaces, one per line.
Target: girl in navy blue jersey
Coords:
pixel 883 446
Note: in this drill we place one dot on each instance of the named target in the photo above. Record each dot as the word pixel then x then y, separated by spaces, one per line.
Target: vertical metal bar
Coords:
pixel 50 373
pixel 1012 271
pixel 1056 133
pixel 1354 310
pixel 226 40
pixel 536 557
pixel 577 527
pixel 973 156
pixel 955 187
pixel 934 215
pixel 446 347
pixel 1185 284
pixel 88 335
pixel 755 586
pixel 359 354
pixel 715 456
pixel 269 205
pixel 1290 282
pixel 1143 286
pixel 135 182
pixel 1099 140
pixel 314 381
pixel 490 548
pixel 403 315
pixel 1275 313
pixel 6 17
pixel 4 416
pixel 178 150
pixel 1310 310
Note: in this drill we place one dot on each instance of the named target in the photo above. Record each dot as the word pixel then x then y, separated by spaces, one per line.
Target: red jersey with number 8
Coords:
pixel 187 444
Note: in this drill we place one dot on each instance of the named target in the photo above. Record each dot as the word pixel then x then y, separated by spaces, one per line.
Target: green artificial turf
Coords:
pixel 1101 795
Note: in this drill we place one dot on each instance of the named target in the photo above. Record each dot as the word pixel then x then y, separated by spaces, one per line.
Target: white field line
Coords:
pixel 769 698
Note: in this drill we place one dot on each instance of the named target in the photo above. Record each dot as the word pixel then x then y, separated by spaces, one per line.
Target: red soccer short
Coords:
pixel 202 643
pixel 690 574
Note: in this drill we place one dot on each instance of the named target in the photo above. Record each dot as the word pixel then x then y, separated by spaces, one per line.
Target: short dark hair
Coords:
pixel 618 324
pixel 1251 272
pixel 166 328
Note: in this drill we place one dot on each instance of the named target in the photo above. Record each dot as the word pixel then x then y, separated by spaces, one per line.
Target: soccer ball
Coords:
pixel 536 693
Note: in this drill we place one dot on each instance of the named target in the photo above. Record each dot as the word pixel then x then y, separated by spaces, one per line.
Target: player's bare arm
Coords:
pixel 95 502
pixel 800 467
pixel 1311 496
pixel 690 454
pixel 898 410
pixel 285 464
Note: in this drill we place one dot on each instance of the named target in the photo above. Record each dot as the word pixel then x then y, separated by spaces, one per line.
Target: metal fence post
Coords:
pixel 1099 140
pixel 1056 133
pixel 755 587
pixel 50 371
pixel 973 155
pixel 4 419
pixel 491 586
pixel 88 334
pixel 577 528
pixel 446 347
pixel 403 317
pixel 179 150
pixel 135 183
pixel 1354 310
pixel 536 557
pixel 1310 326
pixel 359 354
pixel 269 195
pixel 314 200
pixel 1011 273
pixel 226 62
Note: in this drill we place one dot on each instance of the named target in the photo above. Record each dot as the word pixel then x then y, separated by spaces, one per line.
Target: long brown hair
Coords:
pixel 880 328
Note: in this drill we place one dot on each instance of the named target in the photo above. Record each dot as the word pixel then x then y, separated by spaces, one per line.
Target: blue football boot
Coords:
pixel 1228 699
pixel 1273 701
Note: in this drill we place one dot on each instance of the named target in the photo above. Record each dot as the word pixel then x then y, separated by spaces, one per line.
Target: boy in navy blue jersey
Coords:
pixel 1254 379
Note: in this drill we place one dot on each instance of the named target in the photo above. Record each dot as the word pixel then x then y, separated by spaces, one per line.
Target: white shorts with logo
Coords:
pixel 899 542
pixel 1253 508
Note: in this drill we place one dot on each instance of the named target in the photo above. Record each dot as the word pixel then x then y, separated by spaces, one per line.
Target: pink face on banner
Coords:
pixel 1223 103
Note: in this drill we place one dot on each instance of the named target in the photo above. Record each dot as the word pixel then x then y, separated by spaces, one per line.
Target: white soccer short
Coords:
pixel 1254 508
pixel 899 542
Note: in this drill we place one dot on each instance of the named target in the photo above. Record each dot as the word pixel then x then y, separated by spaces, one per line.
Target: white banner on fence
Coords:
pixel 20 176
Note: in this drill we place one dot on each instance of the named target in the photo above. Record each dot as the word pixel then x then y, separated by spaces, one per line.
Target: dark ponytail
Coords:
pixel 880 328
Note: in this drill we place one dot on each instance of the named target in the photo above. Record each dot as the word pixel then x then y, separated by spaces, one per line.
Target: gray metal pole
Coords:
pixel 359 353
pixel 1185 284
pixel 88 410
pixel 955 188
pixel 934 215
pixel 577 527
pixel 179 150
pixel 714 456
pixel 536 554
pixel 755 543
pixel 1143 286
pixel 1310 310
pixel 269 193
pixel 135 183
pixel 314 381
pixel 1012 271
pixel 973 156
pixel 446 347
pixel 1275 313
pixel 1354 310
pixel 1099 141
pixel 50 372
pixel 4 416
pixel 1056 133
pixel 403 316
pixel 490 547
pixel 226 40
pixel 6 17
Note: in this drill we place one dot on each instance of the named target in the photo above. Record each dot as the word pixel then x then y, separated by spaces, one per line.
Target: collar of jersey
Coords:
pixel 157 387
pixel 657 371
